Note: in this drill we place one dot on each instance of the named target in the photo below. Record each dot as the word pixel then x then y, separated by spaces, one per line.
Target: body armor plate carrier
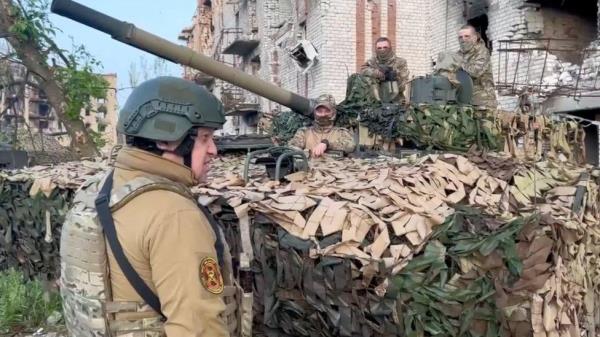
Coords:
pixel 85 281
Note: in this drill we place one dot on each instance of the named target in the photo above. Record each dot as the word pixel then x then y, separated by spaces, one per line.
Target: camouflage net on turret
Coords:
pixel 285 124
pixel 443 246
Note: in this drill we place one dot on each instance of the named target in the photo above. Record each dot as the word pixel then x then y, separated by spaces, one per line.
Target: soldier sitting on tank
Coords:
pixel 323 136
pixel 475 60
pixel 388 72
pixel 167 240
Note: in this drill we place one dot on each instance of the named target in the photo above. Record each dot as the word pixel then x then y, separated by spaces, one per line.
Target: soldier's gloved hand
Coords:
pixel 318 150
pixel 380 75
pixel 391 75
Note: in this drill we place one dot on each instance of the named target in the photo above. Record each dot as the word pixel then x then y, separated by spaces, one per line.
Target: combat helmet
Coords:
pixel 167 108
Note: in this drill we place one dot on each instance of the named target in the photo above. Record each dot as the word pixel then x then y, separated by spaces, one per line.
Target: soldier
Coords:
pixel 165 254
pixel 475 60
pixel 323 136
pixel 389 73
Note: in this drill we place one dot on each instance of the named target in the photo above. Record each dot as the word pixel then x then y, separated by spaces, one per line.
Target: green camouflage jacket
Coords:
pixel 477 63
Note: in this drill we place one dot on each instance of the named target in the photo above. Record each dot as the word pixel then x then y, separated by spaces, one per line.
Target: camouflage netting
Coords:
pixel 285 124
pixel 41 149
pixel 450 128
pixel 444 246
pixel 33 203
pixel 359 97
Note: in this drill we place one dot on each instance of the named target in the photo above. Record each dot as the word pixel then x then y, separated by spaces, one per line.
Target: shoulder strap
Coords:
pixel 106 220
pixel 215 226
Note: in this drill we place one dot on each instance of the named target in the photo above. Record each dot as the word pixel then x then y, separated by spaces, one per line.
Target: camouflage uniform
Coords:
pixel 336 138
pixel 395 64
pixel 477 63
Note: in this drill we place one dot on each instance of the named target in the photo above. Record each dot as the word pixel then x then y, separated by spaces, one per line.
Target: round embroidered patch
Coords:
pixel 210 275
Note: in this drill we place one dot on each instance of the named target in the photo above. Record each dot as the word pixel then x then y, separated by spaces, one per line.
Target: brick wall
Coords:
pixel 445 18
pixel 413 35
pixel 338 58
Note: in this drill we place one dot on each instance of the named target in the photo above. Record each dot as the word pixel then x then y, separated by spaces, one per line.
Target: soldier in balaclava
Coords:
pixel 323 136
pixel 388 72
pixel 475 60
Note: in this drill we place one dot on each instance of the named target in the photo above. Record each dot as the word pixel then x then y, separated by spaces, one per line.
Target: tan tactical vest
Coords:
pixel 85 281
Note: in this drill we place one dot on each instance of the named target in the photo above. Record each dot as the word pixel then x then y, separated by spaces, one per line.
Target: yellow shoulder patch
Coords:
pixel 210 275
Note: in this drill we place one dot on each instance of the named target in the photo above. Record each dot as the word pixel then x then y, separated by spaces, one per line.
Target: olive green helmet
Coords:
pixel 167 108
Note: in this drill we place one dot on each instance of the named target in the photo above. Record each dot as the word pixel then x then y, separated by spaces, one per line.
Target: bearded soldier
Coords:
pixel 323 136
pixel 475 60
pixel 388 72
pixel 162 270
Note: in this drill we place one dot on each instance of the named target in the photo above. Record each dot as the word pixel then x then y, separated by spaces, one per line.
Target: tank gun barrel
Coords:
pixel 128 33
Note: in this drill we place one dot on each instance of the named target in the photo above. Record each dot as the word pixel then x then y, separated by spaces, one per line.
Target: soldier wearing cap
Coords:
pixel 323 136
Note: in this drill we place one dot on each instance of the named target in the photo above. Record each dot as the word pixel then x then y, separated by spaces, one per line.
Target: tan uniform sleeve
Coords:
pixel 368 70
pixel 177 246
pixel 402 73
pixel 479 64
pixel 299 140
pixel 342 141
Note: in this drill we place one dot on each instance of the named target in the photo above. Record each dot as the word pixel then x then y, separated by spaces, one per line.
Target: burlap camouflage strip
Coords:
pixel 336 246
pixel 360 248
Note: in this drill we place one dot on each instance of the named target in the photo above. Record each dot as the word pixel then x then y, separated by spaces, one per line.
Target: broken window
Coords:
pixel 304 55
pixel 43 109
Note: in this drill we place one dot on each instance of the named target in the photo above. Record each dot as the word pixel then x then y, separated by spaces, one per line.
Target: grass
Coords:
pixel 24 304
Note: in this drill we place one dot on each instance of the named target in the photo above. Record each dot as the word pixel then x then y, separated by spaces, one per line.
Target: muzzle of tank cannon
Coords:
pixel 138 38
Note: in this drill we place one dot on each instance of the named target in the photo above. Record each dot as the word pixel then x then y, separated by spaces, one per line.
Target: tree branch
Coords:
pixel 51 44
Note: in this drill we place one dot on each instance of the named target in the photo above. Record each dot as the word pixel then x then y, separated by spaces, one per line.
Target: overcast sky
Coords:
pixel 159 17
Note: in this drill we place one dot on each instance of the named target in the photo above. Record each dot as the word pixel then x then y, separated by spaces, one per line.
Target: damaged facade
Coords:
pixel 30 108
pixel 546 48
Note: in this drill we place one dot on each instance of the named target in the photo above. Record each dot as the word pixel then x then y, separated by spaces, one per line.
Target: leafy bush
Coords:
pixel 25 304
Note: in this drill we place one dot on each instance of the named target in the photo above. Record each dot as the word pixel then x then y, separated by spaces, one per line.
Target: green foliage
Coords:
pixel 75 72
pixel 79 82
pixel 33 24
pixel 97 138
pixel 24 304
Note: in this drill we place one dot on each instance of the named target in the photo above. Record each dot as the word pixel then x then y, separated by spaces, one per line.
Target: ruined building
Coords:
pixel 544 51
pixel 33 112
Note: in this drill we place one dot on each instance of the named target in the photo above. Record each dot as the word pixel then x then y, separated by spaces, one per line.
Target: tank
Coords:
pixel 128 33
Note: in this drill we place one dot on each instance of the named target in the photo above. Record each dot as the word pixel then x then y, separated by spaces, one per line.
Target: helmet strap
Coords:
pixel 184 149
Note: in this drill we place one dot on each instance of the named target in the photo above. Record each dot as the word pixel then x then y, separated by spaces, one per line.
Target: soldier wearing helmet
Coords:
pixel 323 136
pixel 166 239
